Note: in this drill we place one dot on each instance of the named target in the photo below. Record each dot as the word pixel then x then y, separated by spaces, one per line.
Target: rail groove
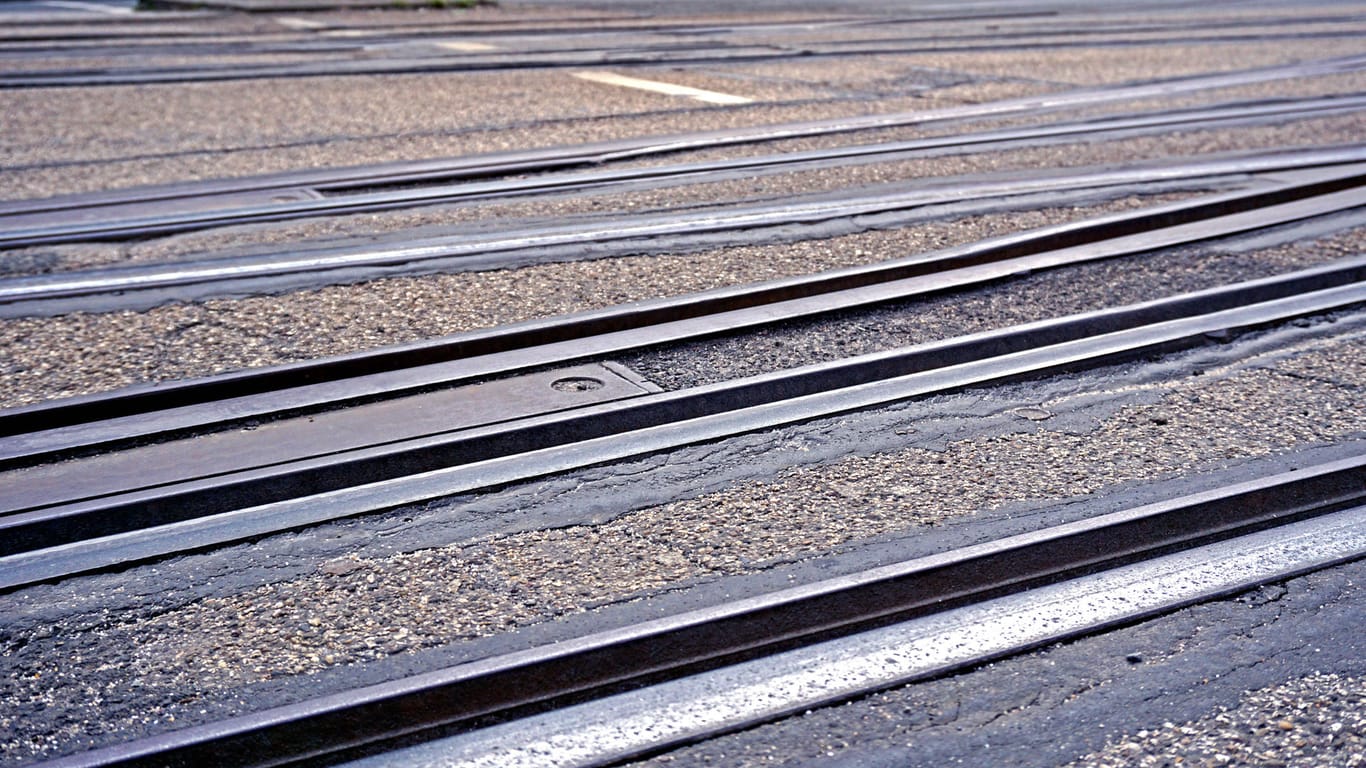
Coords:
pixel 152 284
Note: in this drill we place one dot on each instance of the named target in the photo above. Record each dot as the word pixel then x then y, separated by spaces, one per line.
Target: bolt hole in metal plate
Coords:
pixel 576 384
pixel 303 437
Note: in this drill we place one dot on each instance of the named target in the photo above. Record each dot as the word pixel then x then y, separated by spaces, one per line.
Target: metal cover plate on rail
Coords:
pixel 320 434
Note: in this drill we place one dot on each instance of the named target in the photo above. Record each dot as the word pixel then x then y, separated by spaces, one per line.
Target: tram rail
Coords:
pixel 668 648
pixel 72 222
pixel 279 470
pixel 66 530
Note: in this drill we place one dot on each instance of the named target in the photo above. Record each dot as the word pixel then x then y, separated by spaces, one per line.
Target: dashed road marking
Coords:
pixel 464 46
pixel 294 22
pixel 711 97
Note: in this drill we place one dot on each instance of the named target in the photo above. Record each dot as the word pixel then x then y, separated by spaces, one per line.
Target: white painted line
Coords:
pixel 621 726
pixel 464 46
pixel 711 97
pixel 97 7
pixel 294 22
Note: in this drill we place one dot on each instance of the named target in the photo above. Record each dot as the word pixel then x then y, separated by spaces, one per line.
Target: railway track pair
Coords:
pixel 833 639
pixel 354 52
pixel 82 514
pixel 1287 524
pixel 161 210
pixel 292 446
pixel 105 482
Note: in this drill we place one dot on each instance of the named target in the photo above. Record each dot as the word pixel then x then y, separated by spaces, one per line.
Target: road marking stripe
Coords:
pixel 297 23
pixel 711 97
pixel 464 46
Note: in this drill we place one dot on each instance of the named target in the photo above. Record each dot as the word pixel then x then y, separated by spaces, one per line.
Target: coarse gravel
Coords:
pixel 1104 64
pixel 1317 721
pixel 68 355
pixel 152 670
pixel 1054 293
pixel 100 138
pixel 1076 153
pixel 1300 88
pixel 358 608
pixel 106 138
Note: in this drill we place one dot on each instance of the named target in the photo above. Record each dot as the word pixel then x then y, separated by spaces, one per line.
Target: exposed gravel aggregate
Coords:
pixel 1334 85
pixel 1193 143
pixel 343 113
pixel 186 340
pixel 1318 721
pixel 1094 66
pixel 361 608
pixel 1077 289
pixel 350 121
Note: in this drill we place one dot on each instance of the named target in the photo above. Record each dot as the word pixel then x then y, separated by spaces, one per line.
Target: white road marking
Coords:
pixel 97 7
pixel 464 46
pixel 711 97
pixel 294 22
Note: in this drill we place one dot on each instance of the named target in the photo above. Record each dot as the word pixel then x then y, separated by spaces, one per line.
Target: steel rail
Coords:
pixel 634 25
pixel 108 419
pixel 716 52
pixel 157 283
pixel 643 721
pixel 77 224
pixel 552 158
pixel 58 540
pixel 673 646
pixel 465 27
